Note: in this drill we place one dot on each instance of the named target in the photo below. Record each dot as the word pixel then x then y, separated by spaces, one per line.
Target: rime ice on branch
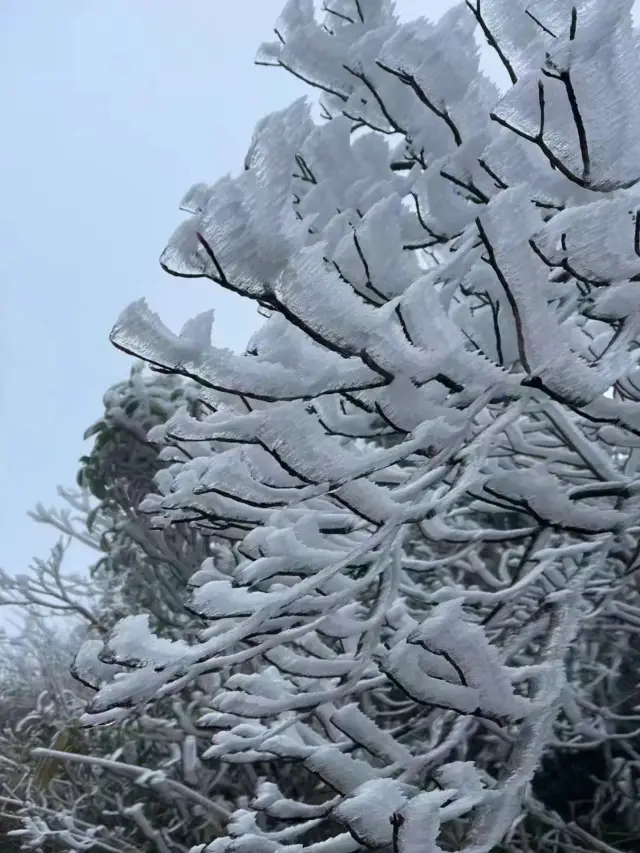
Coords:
pixel 430 490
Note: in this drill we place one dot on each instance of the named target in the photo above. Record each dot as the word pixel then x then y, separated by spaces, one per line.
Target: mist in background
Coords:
pixel 111 110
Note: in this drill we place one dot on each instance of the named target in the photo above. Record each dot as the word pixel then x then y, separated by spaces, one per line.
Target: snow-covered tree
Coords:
pixel 150 567
pixel 137 786
pixel 103 789
pixel 450 276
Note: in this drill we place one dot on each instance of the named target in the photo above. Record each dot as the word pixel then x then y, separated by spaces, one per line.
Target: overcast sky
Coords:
pixel 111 110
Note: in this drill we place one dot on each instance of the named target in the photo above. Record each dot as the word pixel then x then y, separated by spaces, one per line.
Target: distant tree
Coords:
pixel 151 567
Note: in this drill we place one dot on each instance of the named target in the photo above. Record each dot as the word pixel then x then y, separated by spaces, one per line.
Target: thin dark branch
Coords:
pixel 491 40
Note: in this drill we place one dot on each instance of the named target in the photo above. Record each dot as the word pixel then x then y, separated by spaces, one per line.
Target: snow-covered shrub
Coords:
pixel 455 270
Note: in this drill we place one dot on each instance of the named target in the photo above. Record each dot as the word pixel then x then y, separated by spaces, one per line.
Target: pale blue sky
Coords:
pixel 111 110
